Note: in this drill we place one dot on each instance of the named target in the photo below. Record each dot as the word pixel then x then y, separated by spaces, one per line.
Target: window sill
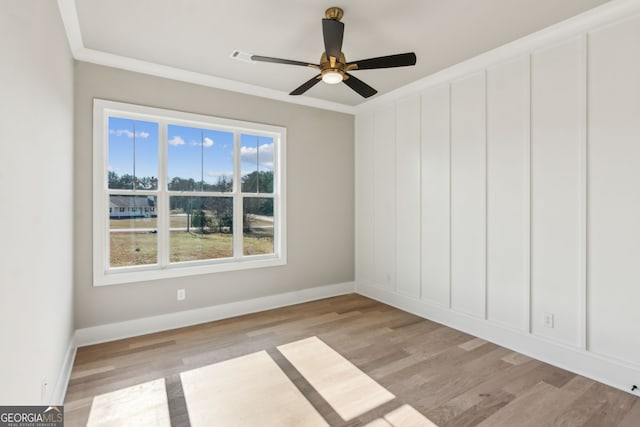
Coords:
pixel 153 273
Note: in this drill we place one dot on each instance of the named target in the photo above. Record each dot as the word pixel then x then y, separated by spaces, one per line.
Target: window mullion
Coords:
pixel 275 196
pixel 163 198
pixel 104 207
pixel 199 193
pixel 237 198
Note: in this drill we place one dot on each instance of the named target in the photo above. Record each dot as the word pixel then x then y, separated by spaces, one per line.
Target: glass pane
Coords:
pixel 133 232
pixel 133 154
pixel 265 165
pixel 184 159
pixel 257 227
pixel 249 163
pixel 256 156
pixel 201 228
pixel 218 160
pixel 200 159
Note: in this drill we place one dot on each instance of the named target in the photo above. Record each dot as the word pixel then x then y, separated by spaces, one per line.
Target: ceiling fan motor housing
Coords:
pixel 330 65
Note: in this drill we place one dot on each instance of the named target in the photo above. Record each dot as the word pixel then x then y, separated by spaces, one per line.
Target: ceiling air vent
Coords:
pixel 241 56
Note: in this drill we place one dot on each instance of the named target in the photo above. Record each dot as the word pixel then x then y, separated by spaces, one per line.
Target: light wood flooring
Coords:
pixel 452 378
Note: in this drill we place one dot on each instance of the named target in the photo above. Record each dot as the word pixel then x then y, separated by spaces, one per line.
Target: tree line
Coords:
pixel 129 182
pixel 255 182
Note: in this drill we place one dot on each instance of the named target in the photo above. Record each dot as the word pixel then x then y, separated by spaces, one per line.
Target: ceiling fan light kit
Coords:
pixel 333 66
pixel 332 77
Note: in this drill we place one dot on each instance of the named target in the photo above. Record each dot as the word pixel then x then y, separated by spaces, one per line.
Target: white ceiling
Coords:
pixel 199 35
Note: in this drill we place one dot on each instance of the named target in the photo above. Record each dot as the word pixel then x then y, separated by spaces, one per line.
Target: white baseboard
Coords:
pixel 60 390
pixel 599 368
pixel 147 325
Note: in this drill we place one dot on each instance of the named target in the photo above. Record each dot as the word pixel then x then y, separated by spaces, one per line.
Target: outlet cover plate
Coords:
pixel 548 320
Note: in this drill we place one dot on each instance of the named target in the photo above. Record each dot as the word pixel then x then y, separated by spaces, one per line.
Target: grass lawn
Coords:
pixel 258 241
pixel 191 246
pixel 141 248
pixel 133 249
pixel 177 221
pixel 133 223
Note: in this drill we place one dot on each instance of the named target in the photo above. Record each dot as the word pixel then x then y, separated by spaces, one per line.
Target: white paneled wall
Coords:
pixel 557 190
pixel 435 163
pixel 384 187
pixel 408 196
pixel 468 194
pixel 614 190
pixel 505 200
pixel 508 112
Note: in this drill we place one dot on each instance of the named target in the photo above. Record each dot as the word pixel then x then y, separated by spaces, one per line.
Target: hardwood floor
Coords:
pixel 452 378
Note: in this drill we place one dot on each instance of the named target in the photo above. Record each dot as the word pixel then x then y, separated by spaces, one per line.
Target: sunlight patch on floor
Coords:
pixel 143 405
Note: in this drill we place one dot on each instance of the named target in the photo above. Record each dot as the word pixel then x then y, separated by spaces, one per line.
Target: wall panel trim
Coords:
pixel 583 313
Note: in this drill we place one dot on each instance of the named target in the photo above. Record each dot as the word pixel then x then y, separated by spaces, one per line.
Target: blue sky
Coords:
pixel 192 152
pixel 121 147
pixel 199 153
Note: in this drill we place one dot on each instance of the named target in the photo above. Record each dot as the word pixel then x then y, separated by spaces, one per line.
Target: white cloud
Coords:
pixel 128 133
pixel 208 142
pixel 176 140
pixel 250 155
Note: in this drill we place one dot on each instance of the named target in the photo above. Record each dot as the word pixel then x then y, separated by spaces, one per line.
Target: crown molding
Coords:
pixel 144 67
pixel 593 19
pixel 69 15
pixel 71 23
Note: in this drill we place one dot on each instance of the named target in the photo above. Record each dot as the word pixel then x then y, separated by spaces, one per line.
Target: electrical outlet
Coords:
pixel 548 320
pixel 181 294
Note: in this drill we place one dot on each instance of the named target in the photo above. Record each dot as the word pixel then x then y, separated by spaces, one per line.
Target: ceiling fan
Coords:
pixel 333 66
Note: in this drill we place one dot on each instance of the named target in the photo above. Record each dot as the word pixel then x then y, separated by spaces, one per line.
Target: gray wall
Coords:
pixel 36 161
pixel 320 205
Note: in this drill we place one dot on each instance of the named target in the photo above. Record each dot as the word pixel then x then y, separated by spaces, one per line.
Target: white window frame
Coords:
pixel 103 274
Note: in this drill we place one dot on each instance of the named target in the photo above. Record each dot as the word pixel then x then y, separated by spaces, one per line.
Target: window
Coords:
pixel 178 194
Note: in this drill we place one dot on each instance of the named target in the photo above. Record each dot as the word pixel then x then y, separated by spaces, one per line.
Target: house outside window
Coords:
pixel 178 194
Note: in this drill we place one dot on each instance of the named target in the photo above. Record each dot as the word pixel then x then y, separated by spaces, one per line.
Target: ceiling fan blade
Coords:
pixel 391 61
pixel 359 86
pixel 282 61
pixel 333 31
pixel 307 85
